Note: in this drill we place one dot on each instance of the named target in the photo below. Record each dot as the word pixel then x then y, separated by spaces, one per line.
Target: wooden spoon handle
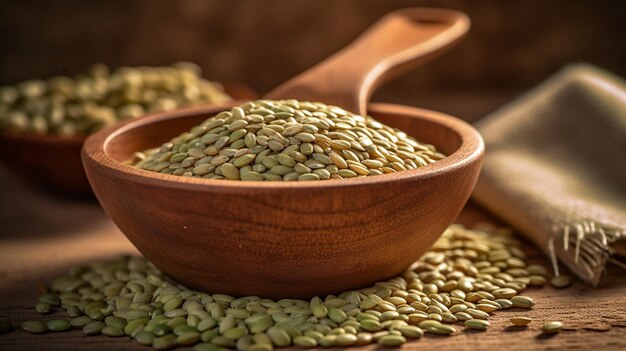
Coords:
pixel 399 41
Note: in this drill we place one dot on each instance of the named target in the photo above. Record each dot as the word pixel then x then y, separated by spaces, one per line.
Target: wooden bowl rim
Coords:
pixel 472 147
pixel 43 139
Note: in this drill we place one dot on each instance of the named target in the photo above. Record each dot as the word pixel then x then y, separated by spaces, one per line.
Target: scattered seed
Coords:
pixel 164 342
pixel 392 340
pixel 536 269
pixel 442 329
pixel 522 301
pixel 144 337
pixel 346 339
pixel 112 331
pixel 93 328
pixel 551 328
pixel 279 337
pixel 561 281
pixel 188 338
pixel 410 331
pixel 504 303
pixel 504 293
pixel 43 307
pixel 478 324
pixel 56 325
pixel 520 321
pixel 35 327
pixel 115 322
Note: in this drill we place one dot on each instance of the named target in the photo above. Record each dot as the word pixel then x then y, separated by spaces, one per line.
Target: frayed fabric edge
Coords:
pixel 585 247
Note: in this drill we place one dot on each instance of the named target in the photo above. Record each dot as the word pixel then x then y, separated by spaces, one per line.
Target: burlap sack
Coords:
pixel 555 167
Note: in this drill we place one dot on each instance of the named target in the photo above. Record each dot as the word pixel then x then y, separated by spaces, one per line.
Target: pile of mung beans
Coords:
pixel 467 276
pixel 287 140
pixel 80 105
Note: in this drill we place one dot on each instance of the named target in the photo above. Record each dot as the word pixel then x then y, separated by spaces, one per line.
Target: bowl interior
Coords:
pixel 140 135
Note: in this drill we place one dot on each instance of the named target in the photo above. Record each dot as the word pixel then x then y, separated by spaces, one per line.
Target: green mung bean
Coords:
pixel 522 301
pixel 561 281
pixel 410 331
pixel 551 328
pixel 478 324
pixel 504 303
pixel 115 322
pixel 443 329
pixel 392 340
pixel 58 325
pixel 93 328
pixel 535 269
pixel 144 337
pixel 43 307
pixel 328 341
pixel 164 342
pixel 188 338
pixel 279 337
pixel 134 325
pixel 520 321
pixel 35 327
pixel 81 321
pixel 112 331
pixel 51 299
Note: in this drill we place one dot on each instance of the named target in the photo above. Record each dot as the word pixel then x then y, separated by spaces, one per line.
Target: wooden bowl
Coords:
pixel 53 162
pixel 283 239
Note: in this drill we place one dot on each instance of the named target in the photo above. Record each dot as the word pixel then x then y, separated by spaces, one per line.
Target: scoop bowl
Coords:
pixel 283 239
pixel 53 163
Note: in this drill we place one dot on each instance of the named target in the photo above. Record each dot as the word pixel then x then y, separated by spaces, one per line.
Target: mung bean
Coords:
pixel 520 321
pixel 35 327
pixel 551 328
pixel 561 281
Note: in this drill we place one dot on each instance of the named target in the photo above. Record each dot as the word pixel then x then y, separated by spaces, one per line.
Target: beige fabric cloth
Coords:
pixel 555 167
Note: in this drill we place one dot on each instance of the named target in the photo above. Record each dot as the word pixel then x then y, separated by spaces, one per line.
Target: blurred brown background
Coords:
pixel 513 45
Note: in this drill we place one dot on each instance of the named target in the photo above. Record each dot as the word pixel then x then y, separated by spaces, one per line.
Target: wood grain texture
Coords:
pixel 53 162
pixel 280 239
pixel 397 42
pixel 45 160
pixel 513 44
pixel 55 235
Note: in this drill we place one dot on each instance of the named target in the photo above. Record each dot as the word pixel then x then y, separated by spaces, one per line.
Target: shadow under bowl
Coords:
pixel 283 239
pixel 53 162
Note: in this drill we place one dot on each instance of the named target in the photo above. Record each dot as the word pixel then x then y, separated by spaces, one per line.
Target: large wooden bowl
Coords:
pixel 279 239
pixel 53 162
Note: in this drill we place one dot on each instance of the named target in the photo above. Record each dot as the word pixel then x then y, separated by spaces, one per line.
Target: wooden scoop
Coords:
pixel 298 239
pixel 396 43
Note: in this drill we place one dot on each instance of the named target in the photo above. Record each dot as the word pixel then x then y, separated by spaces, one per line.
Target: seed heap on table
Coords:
pixel 466 276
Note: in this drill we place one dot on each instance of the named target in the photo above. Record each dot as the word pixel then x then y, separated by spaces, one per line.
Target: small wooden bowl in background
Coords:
pixel 53 162
pixel 279 239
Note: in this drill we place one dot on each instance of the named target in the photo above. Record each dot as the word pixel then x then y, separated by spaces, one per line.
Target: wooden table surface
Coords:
pixel 42 236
